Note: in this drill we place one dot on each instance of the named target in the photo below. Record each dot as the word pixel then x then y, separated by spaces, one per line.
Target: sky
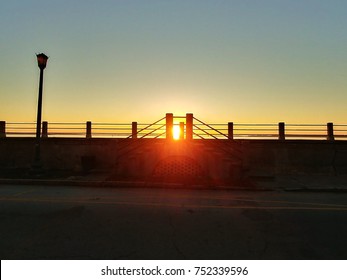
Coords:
pixel 135 60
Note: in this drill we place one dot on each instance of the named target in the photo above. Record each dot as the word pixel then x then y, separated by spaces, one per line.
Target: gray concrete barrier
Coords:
pixel 144 157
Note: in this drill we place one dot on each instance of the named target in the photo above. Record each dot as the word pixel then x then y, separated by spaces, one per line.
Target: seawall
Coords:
pixel 220 159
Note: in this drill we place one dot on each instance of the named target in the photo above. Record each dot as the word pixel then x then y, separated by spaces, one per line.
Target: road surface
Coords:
pixel 60 222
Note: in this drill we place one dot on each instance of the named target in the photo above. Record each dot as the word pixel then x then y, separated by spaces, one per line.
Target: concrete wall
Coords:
pixel 159 157
pixel 296 157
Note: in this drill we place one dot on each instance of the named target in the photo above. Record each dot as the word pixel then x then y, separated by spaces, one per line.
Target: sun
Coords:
pixel 176 132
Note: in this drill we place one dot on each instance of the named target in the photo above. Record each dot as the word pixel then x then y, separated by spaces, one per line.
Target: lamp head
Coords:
pixel 42 60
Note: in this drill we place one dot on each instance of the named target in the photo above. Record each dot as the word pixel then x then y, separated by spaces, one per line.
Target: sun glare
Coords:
pixel 176 132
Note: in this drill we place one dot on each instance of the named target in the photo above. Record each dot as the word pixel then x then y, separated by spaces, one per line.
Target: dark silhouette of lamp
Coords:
pixel 42 62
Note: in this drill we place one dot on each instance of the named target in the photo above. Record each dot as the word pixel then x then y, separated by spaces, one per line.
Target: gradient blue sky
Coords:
pixel 134 60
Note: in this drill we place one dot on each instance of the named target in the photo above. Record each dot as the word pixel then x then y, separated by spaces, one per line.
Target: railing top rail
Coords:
pixel 109 124
pixel 255 124
pixel 304 129
pixel 203 123
pixel 304 124
pixel 17 123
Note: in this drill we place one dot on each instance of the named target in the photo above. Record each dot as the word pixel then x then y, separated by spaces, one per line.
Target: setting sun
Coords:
pixel 176 131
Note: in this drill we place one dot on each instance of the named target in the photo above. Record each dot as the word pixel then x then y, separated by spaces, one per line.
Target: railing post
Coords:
pixel 89 129
pixel 134 130
pixel 231 130
pixel 181 130
pixel 281 131
pixel 330 131
pixel 189 126
pixel 169 126
pixel 2 129
pixel 44 129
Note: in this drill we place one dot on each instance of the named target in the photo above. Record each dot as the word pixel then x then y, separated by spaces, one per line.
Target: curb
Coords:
pixel 126 184
pixel 303 190
pixel 160 185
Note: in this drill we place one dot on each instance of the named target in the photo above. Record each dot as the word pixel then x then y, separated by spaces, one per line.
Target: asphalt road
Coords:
pixel 39 222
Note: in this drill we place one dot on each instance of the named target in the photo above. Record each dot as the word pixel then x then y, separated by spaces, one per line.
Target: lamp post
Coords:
pixel 42 62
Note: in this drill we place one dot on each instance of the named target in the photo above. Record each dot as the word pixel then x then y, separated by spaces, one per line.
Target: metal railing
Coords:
pixel 269 131
pixel 79 130
pixel 158 130
pixel 153 130
pixel 202 130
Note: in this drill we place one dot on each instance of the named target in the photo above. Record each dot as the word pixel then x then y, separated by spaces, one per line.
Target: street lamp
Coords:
pixel 42 62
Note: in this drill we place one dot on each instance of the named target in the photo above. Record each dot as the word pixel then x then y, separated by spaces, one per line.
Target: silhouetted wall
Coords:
pixel 159 157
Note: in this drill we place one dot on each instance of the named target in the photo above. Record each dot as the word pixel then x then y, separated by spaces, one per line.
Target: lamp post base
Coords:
pixel 36 171
pixel 36 168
